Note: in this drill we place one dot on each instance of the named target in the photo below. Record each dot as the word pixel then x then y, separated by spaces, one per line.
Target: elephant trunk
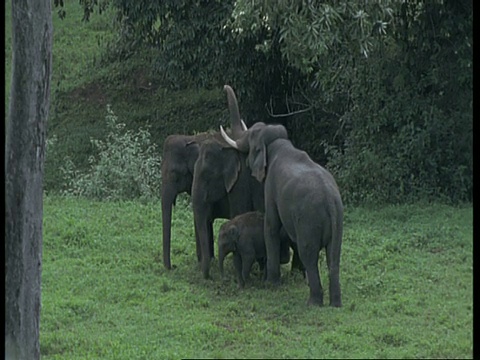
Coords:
pixel 237 128
pixel 168 199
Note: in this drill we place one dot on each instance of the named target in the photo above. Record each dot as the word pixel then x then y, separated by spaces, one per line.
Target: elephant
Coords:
pixel 301 196
pixel 180 152
pixel 243 236
pixel 216 176
pixel 222 188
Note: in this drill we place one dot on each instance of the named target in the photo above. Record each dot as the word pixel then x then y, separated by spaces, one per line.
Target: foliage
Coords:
pixel 371 74
pixel 105 293
pixel 372 85
pixel 126 166
pixel 389 80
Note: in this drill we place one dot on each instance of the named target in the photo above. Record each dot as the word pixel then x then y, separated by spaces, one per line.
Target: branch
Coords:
pixel 271 114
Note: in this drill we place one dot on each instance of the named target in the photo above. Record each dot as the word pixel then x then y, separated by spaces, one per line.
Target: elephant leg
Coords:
pixel 210 239
pixel 285 246
pixel 263 268
pixel 272 226
pixel 202 228
pixel 169 193
pixel 237 263
pixel 309 257
pixel 247 262
pixel 333 263
pixel 296 262
pixel 197 242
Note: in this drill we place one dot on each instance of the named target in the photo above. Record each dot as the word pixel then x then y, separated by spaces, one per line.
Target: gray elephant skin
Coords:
pixel 222 188
pixel 301 196
pixel 244 237
pixel 180 152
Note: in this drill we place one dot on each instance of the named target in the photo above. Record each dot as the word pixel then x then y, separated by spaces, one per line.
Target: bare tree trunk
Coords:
pixel 32 37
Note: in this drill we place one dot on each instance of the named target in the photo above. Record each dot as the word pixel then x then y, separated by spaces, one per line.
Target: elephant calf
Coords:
pixel 244 237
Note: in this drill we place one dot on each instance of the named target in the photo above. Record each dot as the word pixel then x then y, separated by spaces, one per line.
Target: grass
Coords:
pixel 406 279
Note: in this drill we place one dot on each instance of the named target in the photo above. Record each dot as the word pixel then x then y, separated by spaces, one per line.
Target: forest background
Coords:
pixel 378 92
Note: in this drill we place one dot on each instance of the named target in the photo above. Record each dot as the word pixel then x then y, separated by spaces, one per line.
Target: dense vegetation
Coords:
pixel 381 92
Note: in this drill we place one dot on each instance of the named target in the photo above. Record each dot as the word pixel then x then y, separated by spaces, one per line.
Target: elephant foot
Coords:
pixel 315 301
pixel 336 304
pixel 273 277
pixel 272 283
pixel 336 301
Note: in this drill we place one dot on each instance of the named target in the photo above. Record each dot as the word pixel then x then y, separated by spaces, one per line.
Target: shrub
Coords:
pixel 126 166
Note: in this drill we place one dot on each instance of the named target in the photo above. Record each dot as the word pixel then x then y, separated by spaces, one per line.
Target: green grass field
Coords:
pixel 406 278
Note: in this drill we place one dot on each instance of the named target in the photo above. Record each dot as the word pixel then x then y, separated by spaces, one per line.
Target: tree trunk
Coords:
pixel 24 168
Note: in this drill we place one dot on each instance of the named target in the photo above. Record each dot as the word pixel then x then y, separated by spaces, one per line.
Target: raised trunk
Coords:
pixel 237 128
pixel 24 169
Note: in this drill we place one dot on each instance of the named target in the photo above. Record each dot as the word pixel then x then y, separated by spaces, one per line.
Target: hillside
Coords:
pixel 86 77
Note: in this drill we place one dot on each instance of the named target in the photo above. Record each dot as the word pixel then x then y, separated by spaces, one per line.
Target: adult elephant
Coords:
pixel 222 186
pixel 180 152
pixel 301 196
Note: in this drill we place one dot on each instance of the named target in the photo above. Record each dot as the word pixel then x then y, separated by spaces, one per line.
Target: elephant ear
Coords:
pixel 257 161
pixel 231 168
pixel 259 140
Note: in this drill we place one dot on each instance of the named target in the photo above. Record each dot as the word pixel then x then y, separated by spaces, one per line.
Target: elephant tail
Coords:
pixel 333 251
pixel 334 246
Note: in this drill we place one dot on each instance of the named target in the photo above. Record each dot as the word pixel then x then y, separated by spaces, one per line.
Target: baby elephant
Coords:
pixel 243 235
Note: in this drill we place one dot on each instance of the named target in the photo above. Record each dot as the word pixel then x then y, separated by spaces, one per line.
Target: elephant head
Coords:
pixel 255 141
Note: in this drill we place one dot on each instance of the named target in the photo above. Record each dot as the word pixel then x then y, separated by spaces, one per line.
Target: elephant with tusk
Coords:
pixel 301 196
pixel 180 153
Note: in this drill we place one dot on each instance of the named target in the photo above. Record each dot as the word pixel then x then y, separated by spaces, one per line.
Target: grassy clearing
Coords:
pixel 406 279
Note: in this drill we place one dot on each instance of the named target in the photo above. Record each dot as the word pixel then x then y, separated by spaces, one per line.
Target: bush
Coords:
pixel 127 166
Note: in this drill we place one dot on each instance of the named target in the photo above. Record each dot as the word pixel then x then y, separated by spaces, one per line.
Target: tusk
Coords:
pixel 244 127
pixel 227 139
